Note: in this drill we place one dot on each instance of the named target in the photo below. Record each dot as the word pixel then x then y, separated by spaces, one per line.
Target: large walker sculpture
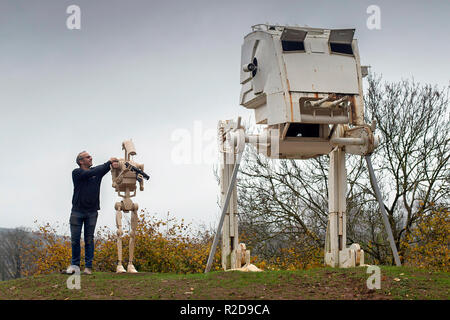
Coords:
pixel 305 85
pixel 124 180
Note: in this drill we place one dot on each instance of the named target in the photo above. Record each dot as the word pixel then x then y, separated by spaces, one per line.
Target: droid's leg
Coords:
pixel 134 220
pixel 120 268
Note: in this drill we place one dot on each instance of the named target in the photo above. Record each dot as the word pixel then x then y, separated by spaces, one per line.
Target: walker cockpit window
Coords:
pixel 341 41
pixel 293 40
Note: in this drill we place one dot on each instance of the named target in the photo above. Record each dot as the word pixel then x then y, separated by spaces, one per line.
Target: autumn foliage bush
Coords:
pixel 168 245
pixel 162 245
pixel 427 245
pixel 292 258
pixel 47 252
pixel 301 253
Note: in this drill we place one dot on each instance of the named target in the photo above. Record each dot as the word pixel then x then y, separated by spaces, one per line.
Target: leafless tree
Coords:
pixel 413 159
pixel 13 253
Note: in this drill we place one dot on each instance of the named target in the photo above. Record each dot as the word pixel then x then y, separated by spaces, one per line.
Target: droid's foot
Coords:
pixel 120 269
pixel 131 268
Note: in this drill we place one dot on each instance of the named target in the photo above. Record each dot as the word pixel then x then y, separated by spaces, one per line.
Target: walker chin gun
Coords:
pixel 139 173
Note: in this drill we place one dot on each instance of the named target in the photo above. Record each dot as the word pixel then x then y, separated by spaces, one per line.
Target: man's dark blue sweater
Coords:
pixel 86 188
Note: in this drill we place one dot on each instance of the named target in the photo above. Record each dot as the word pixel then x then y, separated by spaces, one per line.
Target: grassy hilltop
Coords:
pixel 318 283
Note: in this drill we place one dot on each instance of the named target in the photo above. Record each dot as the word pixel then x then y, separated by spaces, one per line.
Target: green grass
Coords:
pixel 319 283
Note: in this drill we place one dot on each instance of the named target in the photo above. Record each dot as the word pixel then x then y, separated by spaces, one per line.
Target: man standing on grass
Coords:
pixel 85 206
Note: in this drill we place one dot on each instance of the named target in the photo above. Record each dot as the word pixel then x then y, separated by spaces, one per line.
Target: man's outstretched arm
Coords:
pixel 101 170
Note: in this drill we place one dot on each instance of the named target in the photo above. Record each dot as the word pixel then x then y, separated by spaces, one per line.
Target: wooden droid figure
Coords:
pixel 124 180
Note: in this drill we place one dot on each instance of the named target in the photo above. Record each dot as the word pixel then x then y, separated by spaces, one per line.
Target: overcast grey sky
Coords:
pixel 147 70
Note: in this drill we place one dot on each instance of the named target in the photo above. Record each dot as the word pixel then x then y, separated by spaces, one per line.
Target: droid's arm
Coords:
pixel 139 170
pixel 141 184
pixel 140 174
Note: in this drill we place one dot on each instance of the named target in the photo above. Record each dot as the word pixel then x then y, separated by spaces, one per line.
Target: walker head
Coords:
pixel 301 75
pixel 301 81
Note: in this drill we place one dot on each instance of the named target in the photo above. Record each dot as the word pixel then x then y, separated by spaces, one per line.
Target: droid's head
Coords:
pixel 301 75
pixel 129 148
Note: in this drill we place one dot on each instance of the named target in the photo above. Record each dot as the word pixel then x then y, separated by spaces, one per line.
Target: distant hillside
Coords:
pixel 27 230
pixel 3 230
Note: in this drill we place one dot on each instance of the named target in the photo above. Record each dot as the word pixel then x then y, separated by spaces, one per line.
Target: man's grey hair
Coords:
pixel 79 157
